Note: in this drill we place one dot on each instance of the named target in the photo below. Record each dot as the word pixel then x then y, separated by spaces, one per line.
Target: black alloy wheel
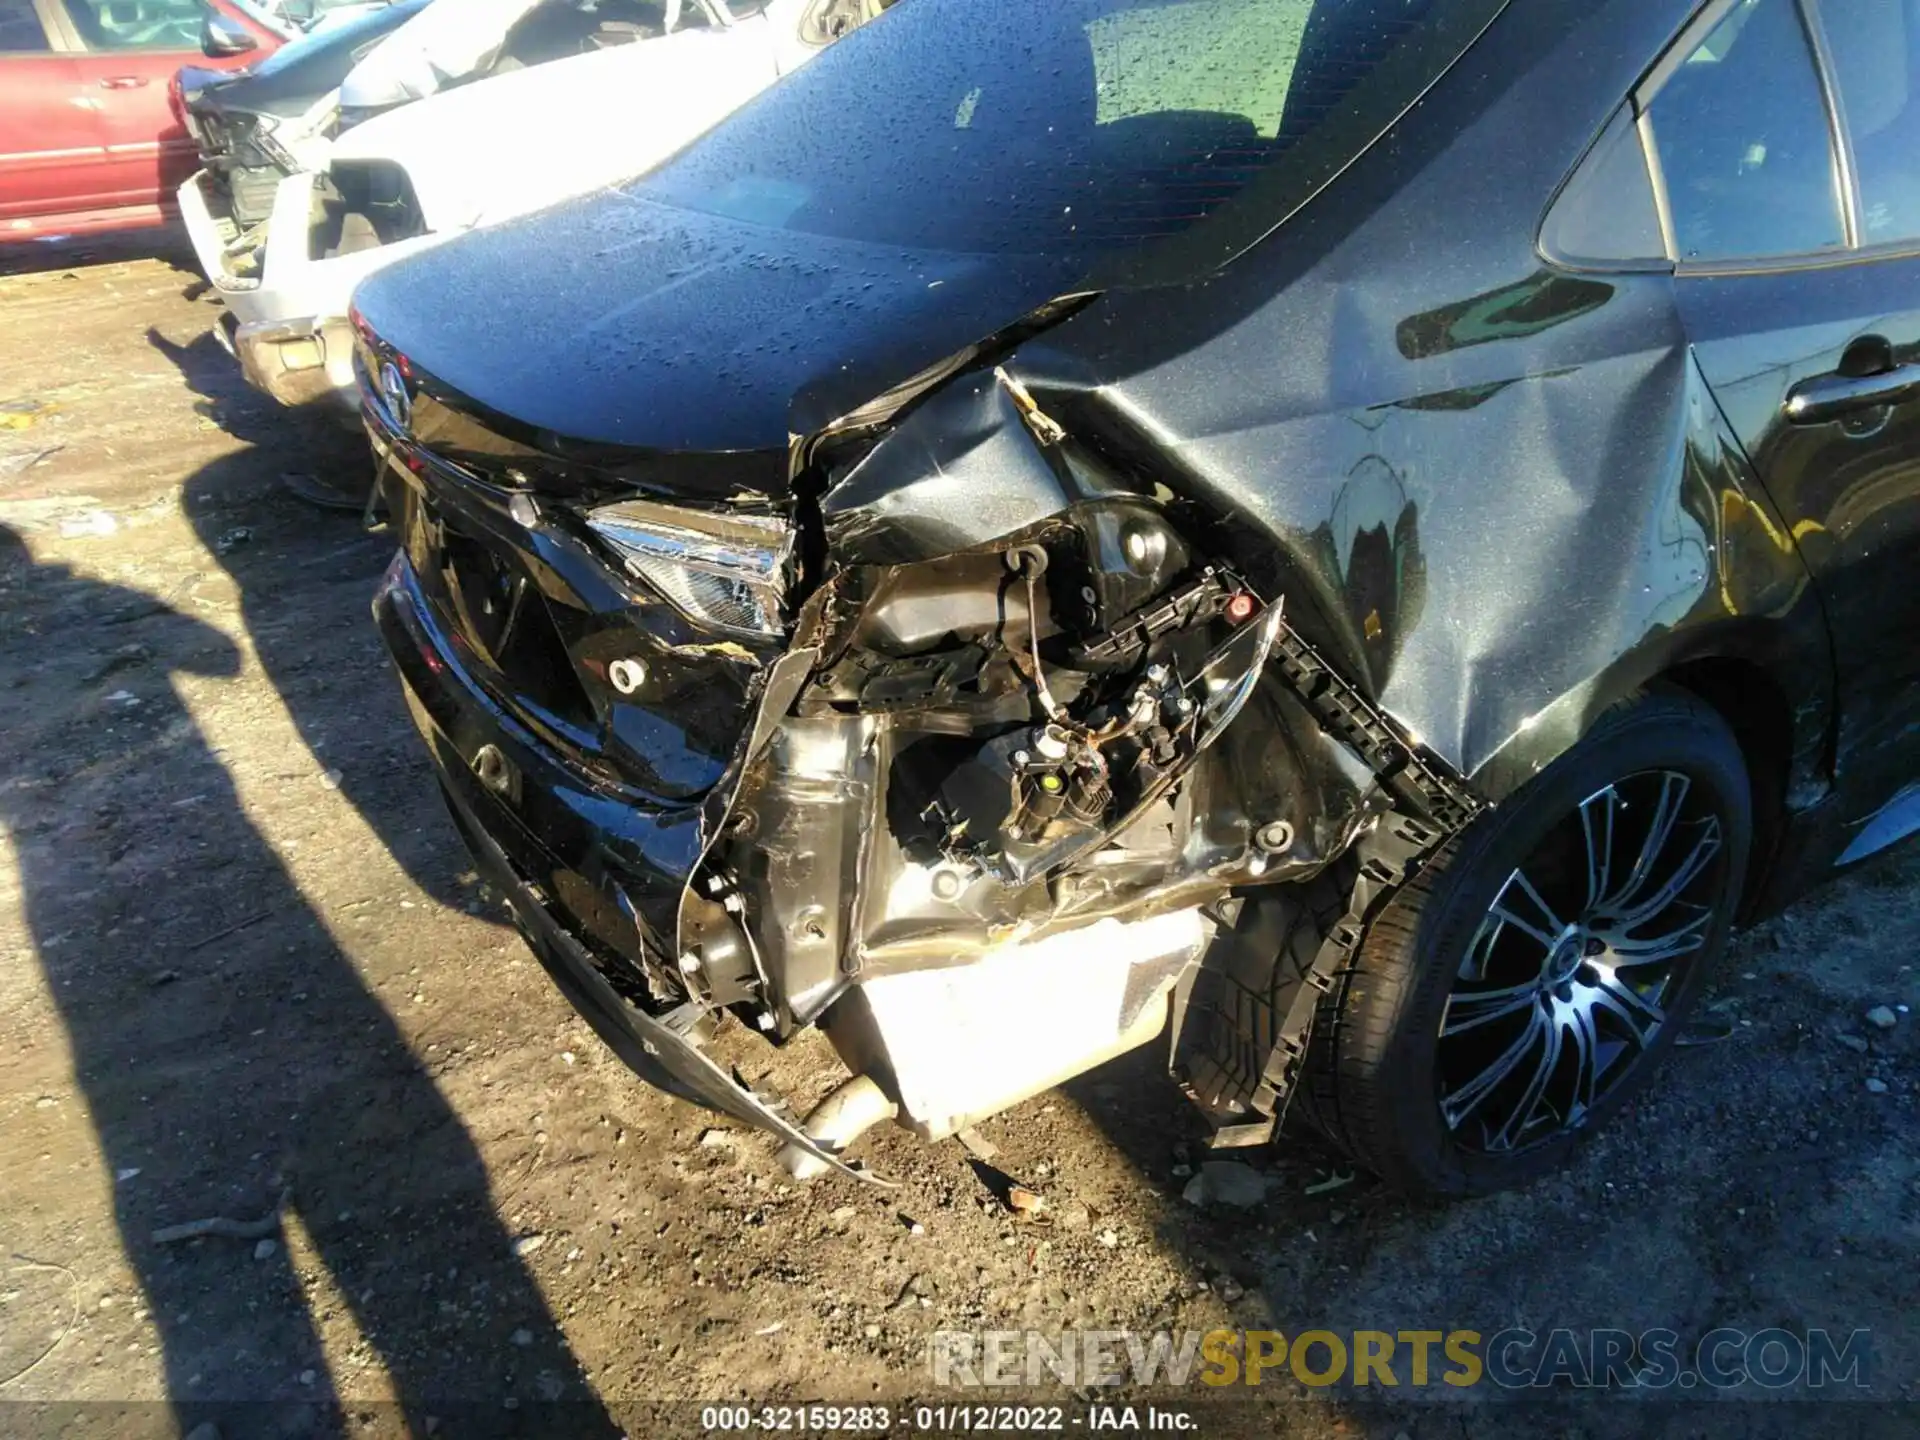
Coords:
pixel 1512 996
pixel 1564 985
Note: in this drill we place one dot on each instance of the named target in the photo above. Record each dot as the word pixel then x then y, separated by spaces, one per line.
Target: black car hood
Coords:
pixel 294 77
pixel 615 321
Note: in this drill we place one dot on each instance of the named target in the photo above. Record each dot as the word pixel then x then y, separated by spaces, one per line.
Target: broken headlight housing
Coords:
pixel 723 571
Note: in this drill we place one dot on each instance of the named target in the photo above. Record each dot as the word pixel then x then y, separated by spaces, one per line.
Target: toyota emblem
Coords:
pixel 393 390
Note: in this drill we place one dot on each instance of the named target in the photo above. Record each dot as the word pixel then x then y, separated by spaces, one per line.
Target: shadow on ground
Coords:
pixel 66 252
pixel 154 904
pixel 306 577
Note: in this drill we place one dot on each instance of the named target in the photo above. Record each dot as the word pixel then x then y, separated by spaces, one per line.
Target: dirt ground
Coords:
pixel 241 956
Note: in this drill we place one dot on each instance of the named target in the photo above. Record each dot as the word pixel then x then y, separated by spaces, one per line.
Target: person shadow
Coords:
pixel 232 1059
pixel 306 614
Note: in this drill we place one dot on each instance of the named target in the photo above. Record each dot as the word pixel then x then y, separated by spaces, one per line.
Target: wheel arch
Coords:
pixel 1770 681
pixel 1757 710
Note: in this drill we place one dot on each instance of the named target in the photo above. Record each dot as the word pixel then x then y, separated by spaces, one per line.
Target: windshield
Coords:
pixel 1040 126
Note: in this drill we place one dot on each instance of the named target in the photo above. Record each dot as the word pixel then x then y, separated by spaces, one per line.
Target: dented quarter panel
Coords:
pixel 1500 496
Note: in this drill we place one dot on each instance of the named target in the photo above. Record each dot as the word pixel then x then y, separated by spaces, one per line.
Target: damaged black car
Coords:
pixel 1352 538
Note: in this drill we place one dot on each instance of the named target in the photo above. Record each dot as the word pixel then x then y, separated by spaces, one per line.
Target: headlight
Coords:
pixel 730 572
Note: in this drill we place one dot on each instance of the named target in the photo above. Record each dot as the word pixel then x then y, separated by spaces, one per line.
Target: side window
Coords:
pixel 20 29
pixel 1744 144
pixel 137 24
pixel 1875 45
pixel 1606 216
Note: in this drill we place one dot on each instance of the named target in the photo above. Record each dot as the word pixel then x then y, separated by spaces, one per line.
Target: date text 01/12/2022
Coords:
pixel 941 1419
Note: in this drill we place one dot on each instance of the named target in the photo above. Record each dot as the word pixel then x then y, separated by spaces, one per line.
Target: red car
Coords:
pixel 88 141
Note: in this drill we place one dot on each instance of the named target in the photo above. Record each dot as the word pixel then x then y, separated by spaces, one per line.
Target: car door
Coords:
pixel 131 50
pixel 47 140
pixel 1787 137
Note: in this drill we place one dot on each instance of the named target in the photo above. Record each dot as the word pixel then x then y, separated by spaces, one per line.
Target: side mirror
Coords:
pixel 221 36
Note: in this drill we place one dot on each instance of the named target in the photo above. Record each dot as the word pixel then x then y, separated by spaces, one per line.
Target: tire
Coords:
pixel 1379 1071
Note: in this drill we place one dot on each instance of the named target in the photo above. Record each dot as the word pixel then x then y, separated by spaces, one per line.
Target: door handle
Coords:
pixel 123 82
pixel 1868 379
pixel 1828 397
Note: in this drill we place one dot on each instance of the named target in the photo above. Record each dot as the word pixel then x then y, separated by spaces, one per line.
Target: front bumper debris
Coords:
pixel 977 815
pixel 299 362
pixel 287 308
pixel 226 250
pixel 459 726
